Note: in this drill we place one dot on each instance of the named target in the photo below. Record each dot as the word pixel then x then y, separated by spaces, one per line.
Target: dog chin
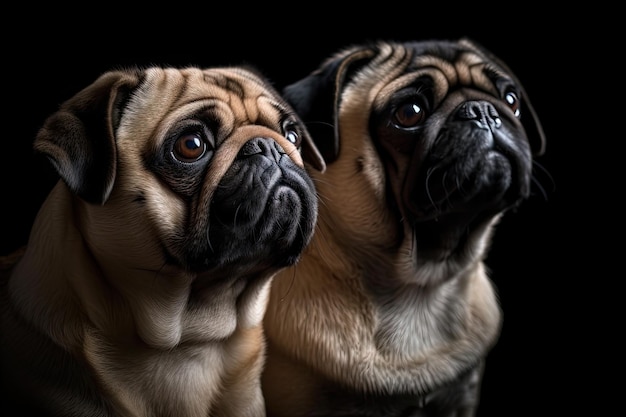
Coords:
pixel 248 236
pixel 439 253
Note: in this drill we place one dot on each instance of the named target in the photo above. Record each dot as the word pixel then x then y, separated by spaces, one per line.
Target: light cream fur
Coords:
pixel 430 321
pixel 93 277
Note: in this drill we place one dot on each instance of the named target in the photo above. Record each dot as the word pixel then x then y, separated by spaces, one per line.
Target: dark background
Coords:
pixel 538 253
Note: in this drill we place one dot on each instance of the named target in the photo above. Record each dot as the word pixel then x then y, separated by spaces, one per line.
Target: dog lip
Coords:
pixel 486 182
pixel 261 215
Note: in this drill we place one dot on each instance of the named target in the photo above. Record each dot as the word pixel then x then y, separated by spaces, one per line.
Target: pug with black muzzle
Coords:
pixel 391 311
pixel 143 285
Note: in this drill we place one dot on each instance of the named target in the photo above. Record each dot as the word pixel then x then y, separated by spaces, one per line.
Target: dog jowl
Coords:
pixel 390 311
pixel 146 276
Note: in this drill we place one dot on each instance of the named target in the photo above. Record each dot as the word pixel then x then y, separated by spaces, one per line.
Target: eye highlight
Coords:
pixel 189 147
pixel 513 101
pixel 292 134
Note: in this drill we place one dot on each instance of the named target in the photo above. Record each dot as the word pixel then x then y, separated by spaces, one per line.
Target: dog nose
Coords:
pixel 482 111
pixel 263 146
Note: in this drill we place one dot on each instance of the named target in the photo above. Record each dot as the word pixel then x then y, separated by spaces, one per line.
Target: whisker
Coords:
pixel 430 197
pixel 537 181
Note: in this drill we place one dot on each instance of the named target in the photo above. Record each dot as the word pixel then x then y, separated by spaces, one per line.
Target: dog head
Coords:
pixel 188 186
pixel 391 311
pixel 435 138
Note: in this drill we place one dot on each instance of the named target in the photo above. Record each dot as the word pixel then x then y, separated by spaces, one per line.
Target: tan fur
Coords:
pixel 93 278
pixel 432 320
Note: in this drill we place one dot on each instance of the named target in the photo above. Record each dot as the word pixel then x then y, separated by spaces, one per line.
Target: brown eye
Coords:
pixel 513 102
pixel 409 115
pixel 189 147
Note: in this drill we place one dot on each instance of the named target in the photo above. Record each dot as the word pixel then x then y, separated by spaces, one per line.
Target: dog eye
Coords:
pixel 513 102
pixel 189 147
pixel 292 135
pixel 410 114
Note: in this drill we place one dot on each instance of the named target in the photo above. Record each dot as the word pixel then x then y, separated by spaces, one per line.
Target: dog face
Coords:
pixel 185 150
pixel 426 145
pixel 183 192
pixel 185 170
pixel 435 139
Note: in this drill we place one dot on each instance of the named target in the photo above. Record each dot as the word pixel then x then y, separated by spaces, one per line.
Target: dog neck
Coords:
pixel 381 331
pixel 68 290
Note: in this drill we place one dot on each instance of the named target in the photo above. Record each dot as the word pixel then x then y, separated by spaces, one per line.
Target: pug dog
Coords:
pixel 143 285
pixel 391 310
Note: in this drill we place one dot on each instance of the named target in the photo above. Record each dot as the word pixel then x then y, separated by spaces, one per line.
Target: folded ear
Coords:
pixel 79 139
pixel 311 154
pixel 316 99
pixel 530 119
pixel 533 127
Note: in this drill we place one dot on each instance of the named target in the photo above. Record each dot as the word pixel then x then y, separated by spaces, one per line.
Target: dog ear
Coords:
pixel 311 153
pixel 530 118
pixel 79 138
pixel 316 98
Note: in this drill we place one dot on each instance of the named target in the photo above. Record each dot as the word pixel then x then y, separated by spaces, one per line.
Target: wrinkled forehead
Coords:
pixel 231 95
pixel 165 90
pixel 441 68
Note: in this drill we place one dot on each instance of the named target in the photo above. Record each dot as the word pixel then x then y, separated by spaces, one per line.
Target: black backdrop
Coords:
pixel 49 58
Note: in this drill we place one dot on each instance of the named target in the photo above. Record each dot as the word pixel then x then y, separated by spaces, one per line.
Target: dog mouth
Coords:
pixel 261 216
pixel 478 162
pixel 471 184
pixel 456 199
pixel 474 170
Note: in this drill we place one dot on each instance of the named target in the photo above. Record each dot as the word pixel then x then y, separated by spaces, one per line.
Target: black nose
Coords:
pixel 262 146
pixel 482 112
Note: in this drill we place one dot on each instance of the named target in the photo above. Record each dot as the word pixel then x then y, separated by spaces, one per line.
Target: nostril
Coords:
pixel 481 111
pixel 251 147
pixel 255 146
pixel 470 110
pixel 261 146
